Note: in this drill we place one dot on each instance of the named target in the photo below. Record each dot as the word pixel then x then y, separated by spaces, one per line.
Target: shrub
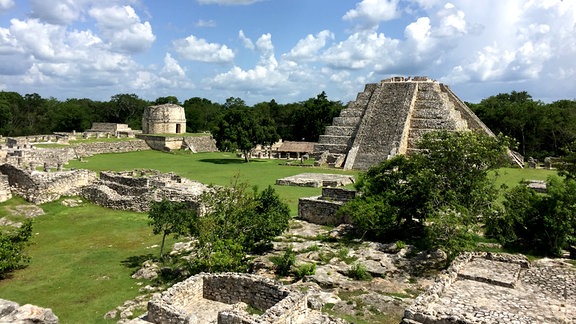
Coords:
pixel 305 269
pixel 358 271
pixel 283 263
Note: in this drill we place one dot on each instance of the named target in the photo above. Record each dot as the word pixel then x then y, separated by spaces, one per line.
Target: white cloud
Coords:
pixel 245 40
pixel 172 68
pixel 121 27
pixel 6 5
pixel 198 49
pixel 308 48
pixel 59 12
pixel 369 13
pixel 205 23
pixel 363 50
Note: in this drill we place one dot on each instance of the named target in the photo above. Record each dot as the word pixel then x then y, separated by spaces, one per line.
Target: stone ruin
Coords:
pixel 164 119
pixel 135 190
pixel 224 298
pixel 481 287
pixel 323 210
pixel 109 129
pixel 41 187
pixel 388 118
pixel 316 180
pixel 5 192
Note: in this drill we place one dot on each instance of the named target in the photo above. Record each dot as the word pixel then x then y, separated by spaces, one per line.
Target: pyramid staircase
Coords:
pixel 388 118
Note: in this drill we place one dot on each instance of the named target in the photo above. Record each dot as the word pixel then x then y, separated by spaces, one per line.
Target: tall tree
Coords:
pixel 170 217
pixel 315 114
pixel 240 128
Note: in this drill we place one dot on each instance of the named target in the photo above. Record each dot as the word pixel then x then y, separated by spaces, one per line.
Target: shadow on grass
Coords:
pixel 136 261
pixel 228 161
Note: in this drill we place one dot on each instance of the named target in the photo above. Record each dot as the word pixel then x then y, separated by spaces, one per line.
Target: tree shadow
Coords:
pixel 136 261
pixel 228 161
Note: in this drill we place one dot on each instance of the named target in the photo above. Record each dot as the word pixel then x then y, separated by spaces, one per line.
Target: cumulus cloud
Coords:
pixel 369 13
pixel 198 49
pixel 363 50
pixel 59 12
pixel 6 5
pixel 122 28
pixel 245 40
pixel 309 47
pixel 205 23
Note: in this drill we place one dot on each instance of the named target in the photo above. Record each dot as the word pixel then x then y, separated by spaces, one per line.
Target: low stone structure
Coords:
pixel 5 193
pixel 316 180
pixel 11 312
pixel 41 187
pixel 164 119
pixel 109 129
pixel 195 143
pixel 223 298
pixel 482 287
pixel 137 189
pixel 323 209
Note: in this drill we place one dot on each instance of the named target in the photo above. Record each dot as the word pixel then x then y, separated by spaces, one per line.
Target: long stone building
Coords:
pixel 388 118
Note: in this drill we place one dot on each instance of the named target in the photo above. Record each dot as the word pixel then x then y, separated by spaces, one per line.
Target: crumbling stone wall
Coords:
pixel 323 209
pixel 5 192
pixel 196 144
pixel 136 190
pixel 280 305
pixel 42 187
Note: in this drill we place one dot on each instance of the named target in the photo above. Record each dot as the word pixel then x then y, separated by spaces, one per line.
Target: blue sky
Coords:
pixel 287 50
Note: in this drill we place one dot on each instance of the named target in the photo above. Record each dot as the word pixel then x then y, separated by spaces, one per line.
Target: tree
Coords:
pixel 241 129
pixel 12 244
pixel 201 114
pixel 540 223
pixel 170 217
pixel 314 115
pixel 167 100
pixel 237 222
pixel 446 183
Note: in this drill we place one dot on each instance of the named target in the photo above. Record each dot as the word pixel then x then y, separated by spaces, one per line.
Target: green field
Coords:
pixel 82 257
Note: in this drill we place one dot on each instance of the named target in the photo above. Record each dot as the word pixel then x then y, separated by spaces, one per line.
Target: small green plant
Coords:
pixel 358 271
pixel 253 310
pixel 311 248
pixel 305 269
pixel 344 255
pixel 283 263
pixel 326 257
pixel 400 244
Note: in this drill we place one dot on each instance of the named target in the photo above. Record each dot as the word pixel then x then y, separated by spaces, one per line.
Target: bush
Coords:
pixel 305 269
pixel 358 271
pixel 12 244
pixel 283 263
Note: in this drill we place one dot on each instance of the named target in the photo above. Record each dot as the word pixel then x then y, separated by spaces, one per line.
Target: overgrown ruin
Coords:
pixel 389 117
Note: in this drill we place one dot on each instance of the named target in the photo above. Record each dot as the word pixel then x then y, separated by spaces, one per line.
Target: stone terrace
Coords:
pixel 499 288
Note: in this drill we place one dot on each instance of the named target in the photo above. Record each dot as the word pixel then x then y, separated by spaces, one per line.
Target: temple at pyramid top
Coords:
pixel 387 119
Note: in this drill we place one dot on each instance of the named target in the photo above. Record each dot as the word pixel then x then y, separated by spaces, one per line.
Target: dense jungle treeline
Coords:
pixel 541 129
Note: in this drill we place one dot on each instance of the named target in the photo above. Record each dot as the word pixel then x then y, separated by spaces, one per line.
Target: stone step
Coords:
pixel 345 121
pixel 351 112
pixel 339 130
pixel 330 139
pixel 332 148
pixel 426 123
pixel 430 113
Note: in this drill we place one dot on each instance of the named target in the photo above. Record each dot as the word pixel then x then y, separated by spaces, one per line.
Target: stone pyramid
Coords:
pixel 388 118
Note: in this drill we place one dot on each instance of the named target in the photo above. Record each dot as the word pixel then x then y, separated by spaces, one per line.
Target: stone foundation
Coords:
pixel 210 298
pixel 483 287
pixel 136 190
pixel 196 144
pixel 323 209
pixel 316 180
pixel 42 187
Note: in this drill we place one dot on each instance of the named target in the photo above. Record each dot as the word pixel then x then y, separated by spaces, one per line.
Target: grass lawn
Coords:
pixel 80 261
pixel 212 168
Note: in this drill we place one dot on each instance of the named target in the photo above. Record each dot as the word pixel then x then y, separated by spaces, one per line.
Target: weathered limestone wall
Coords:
pixel 137 190
pixel 323 209
pixel 5 192
pixel 42 187
pixel 280 305
pixel 195 144
pixel 89 149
